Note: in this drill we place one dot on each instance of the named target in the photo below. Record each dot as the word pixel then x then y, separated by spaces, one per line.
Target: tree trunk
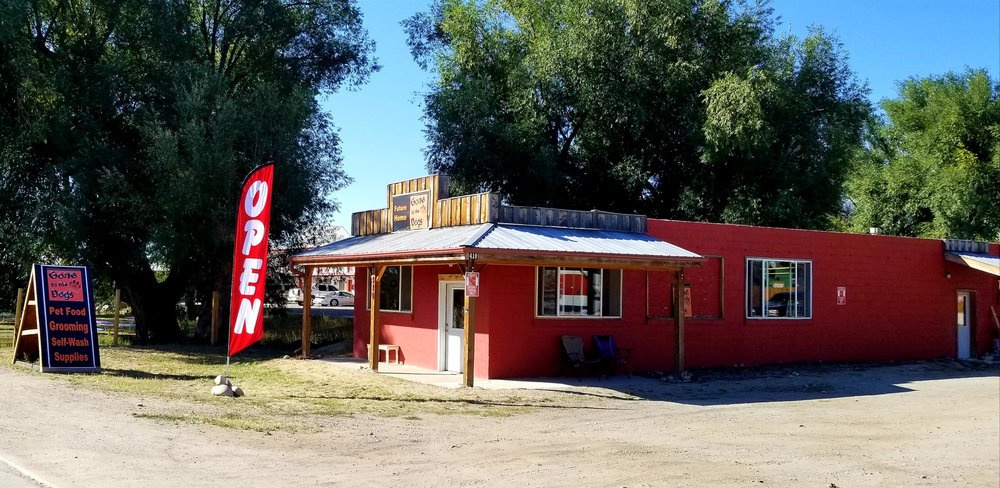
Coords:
pixel 154 306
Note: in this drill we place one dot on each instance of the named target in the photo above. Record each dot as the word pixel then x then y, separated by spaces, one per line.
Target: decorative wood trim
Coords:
pixel 555 217
pixel 479 208
pixel 369 222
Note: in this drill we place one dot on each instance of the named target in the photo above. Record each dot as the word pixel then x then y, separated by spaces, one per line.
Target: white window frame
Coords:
pixel 763 304
pixel 559 269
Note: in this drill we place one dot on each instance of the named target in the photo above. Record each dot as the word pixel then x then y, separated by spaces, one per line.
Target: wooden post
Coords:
pixel 118 315
pixel 375 292
pixel 17 312
pixel 307 311
pixel 216 297
pixel 469 373
pixel 679 319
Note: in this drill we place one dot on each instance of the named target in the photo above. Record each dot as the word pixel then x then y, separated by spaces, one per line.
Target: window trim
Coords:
pixel 368 298
pixel 746 290
pixel 621 307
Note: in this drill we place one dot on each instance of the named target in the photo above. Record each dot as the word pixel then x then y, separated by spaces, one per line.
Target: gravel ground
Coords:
pixel 921 424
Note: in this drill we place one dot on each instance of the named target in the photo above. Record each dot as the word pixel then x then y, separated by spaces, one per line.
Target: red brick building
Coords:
pixel 754 295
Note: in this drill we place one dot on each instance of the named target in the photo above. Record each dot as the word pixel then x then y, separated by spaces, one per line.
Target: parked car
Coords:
pixel 334 299
pixel 318 291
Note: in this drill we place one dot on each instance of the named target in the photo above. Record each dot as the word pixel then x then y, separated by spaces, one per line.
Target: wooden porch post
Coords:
pixel 679 319
pixel 468 372
pixel 307 311
pixel 375 294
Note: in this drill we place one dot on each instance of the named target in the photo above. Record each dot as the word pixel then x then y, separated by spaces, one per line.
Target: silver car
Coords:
pixel 334 298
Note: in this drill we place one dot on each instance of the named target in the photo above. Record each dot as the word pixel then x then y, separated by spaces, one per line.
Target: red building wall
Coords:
pixel 901 305
pixel 417 331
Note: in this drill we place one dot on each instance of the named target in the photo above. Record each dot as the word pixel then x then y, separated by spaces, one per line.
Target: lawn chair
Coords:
pixel 574 356
pixel 611 357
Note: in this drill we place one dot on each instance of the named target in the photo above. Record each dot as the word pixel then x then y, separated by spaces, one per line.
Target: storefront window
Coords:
pixel 570 292
pixel 397 287
pixel 779 288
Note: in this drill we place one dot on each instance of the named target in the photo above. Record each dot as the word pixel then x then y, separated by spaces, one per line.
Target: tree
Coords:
pixel 128 125
pixel 932 167
pixel 674 108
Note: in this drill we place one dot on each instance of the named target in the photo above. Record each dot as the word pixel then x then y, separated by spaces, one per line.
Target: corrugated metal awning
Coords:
pixel 520 244
pixel 982 262
pixel 570 240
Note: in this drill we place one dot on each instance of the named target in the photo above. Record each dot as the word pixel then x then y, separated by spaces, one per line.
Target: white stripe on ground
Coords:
pixel 20 473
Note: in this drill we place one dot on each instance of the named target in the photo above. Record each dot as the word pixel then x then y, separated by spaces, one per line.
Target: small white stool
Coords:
pixel 386 347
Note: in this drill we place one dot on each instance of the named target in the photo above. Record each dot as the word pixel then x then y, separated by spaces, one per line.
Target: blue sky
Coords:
pixel 887 41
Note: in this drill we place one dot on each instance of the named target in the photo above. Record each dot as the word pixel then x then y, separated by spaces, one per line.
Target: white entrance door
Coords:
pixel 964 317
pixel 452 311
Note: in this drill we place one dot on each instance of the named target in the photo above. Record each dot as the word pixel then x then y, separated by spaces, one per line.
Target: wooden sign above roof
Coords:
pixel 423 203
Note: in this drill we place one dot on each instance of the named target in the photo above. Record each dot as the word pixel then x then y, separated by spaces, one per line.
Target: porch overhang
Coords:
pixel 473 246
pixel 979 261
pixel 504 244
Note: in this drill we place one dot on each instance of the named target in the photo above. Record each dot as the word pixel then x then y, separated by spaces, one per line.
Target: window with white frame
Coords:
pixel 397 289
pixel 779 288
pixel 579 292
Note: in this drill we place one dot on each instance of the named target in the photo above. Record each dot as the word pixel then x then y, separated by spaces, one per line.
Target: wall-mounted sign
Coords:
pixel 411 211
pixel 472 284
pixel 841 295
pixel 688 309
pixel 57 324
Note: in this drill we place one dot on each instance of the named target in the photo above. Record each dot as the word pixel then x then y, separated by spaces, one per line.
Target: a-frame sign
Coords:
pixel 56 324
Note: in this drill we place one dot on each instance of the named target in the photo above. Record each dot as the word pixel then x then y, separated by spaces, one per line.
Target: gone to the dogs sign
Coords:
pixel 67 331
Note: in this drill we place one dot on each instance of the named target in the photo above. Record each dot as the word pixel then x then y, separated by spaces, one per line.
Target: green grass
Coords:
pixel 281 394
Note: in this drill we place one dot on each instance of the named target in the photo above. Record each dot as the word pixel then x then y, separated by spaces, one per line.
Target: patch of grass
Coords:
pixel 281 394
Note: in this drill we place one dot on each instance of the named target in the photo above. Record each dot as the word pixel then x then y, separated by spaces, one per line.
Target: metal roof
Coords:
pixel 572 240
pixel 442 238
pixel 500 237
pixel 983 262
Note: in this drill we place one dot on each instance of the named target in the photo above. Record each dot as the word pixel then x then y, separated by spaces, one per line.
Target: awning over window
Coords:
pixel 983 262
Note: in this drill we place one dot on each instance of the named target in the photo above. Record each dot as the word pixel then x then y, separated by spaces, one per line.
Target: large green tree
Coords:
pixel 675 108
pixel 932 167
pixel 127 126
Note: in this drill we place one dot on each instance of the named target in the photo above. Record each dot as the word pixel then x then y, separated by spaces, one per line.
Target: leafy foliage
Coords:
pixel 127 126
pixel 674 108
pixel 932 169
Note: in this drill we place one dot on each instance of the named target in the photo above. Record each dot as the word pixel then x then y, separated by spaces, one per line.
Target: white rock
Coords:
pixel 222 390
pixel 219 380
pixel 237 392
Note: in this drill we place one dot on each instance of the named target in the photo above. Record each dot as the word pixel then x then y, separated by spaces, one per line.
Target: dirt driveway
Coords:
pixel 924 424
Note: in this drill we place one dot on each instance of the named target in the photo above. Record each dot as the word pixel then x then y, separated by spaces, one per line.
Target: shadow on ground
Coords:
pixel 785 383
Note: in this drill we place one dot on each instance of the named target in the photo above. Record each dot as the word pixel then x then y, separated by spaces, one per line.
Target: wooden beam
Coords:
pixel 679 319
pixel 469 371
pixel 17 312
pixel 307 311
pixel 375 295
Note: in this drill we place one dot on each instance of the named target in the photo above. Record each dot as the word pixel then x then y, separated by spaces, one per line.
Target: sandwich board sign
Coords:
pixel 56 324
